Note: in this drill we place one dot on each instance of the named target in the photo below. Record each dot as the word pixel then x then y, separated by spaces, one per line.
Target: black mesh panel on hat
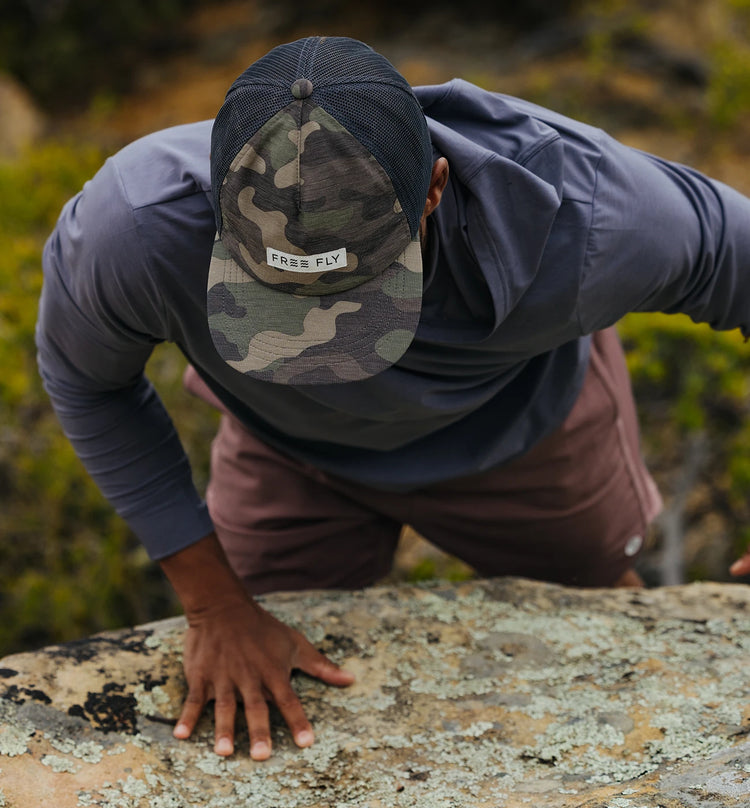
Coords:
pixel 355 85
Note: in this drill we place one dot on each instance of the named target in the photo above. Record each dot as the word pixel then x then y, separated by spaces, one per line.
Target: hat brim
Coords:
pixel 273 335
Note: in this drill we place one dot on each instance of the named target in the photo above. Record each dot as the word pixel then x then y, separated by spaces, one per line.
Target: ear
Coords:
pixel 438 181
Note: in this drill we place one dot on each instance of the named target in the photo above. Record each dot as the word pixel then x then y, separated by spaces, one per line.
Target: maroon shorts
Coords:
pixel 574 510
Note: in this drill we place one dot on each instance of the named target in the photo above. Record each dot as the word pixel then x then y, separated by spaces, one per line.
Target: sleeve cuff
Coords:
pixel 173 527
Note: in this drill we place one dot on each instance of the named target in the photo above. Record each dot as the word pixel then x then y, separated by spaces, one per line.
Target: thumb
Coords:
pixel 316 664
pixel 741 566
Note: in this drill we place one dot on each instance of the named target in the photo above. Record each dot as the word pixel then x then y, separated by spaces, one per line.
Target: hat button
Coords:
pixel 302 88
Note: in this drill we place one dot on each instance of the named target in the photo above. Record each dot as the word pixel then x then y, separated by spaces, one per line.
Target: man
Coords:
pixel 403 302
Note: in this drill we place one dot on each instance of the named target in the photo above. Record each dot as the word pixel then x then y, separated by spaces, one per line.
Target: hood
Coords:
pixel 509 165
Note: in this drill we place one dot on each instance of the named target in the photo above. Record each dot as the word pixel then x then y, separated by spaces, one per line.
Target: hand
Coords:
pixel 235 650
pixel 741 566
pixel 240 650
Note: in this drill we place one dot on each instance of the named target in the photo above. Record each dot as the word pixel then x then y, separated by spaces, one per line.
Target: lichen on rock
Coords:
pixel 500 692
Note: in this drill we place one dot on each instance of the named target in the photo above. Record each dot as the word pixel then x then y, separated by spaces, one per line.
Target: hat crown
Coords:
pixel 357 86
pixel 307 209
pixel 320 166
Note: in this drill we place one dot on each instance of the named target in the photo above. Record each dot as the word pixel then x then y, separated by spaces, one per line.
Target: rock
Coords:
pixel 503 692
pixel 20 122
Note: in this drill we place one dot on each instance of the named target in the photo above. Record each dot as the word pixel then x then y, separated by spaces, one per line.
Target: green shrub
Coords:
pixel 68 565
pixel 688 379
pixel 695 376
pixel 729 89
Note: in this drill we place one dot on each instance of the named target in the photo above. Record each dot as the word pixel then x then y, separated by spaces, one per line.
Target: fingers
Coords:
pixel 191 712
pixel 225 709
pixel 256 715
pixel 224 713
pixel 312 662
pixel 258 671
pixel 256 712
pixel 291 708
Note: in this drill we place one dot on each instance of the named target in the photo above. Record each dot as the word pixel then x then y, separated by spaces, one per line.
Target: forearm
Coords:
pixel 99 319
pixel 129 446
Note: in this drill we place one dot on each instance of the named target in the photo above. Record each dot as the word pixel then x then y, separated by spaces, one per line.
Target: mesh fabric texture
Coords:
pixel 355 85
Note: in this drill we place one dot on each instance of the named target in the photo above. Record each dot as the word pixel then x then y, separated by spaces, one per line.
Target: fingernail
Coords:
pixel 260 751
pixel 181 731
pixel 224 747
pixel 305 738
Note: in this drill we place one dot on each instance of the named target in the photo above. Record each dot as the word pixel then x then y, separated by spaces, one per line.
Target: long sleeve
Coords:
pixel 101 312
pixel 665 237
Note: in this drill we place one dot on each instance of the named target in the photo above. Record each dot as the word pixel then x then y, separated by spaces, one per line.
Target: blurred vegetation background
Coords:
pixel 78 79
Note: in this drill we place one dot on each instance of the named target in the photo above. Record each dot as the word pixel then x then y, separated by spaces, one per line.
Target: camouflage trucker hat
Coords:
pixel 320 167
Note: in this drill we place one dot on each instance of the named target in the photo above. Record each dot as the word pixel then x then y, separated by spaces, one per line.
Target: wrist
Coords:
pixel 203 578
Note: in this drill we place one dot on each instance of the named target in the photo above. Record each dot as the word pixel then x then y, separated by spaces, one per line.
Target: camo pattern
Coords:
pixel 306 339
pixel 304 186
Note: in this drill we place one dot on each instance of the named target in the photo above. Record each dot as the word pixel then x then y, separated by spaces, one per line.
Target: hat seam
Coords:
pixel 298 169
pixel 307 51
